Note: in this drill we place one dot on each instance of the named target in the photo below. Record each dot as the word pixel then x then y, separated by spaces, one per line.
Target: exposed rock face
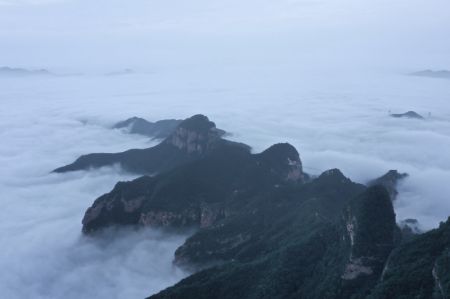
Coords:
pixel 370 225
pixel 438 283
pixel 441 275
pixel 200 193
pixel 195 135
pixel 210 214
pixel 156 130
pixel 357 267
pixel 169 219
pixel 191 140
pixel 409 114
pixel 389 181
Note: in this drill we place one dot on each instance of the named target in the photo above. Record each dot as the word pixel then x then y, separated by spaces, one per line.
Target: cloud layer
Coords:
pixel 43 253
pixel 333 119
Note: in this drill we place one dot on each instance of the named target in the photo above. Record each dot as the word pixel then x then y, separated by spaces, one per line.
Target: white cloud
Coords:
pixel 43 252
pixel 334 119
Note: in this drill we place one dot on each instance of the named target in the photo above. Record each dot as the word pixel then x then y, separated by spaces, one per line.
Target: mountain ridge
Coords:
pixel 186 143
pixel 263 228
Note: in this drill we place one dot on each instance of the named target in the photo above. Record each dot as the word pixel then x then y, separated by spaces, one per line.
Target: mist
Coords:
pixel 43 252
pixel 321 75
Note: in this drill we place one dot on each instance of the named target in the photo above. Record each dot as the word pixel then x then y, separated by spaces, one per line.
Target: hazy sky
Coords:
pixel 405 34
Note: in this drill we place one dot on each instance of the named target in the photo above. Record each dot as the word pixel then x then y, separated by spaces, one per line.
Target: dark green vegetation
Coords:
pixel 419 268
pixel 312 242
pixel 265 229
pixel 312 265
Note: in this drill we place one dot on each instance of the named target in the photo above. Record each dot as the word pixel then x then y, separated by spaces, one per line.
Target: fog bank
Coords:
pixel 43 252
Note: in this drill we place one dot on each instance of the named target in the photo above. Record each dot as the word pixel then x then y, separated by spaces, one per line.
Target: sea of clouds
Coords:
pixel 43 253
pixel 320 74
pixel 334 120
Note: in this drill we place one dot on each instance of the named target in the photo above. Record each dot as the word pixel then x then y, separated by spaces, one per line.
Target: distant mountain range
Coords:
pixel 266 229
pixel 8 71
pixel 121 72
pixel 433 74
pixel 409 114
pixel 23 72
pixel 156 130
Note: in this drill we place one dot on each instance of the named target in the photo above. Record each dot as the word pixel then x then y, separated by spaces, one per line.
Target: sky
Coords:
pixel 322 75
pixel 90 35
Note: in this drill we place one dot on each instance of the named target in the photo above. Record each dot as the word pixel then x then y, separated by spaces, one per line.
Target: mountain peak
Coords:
pixel 283 157
pixel 409 114
pixel 198 122
pixel 389 180
pixel 282 149
pixel 332 175
pixel 433 74
pixel 195 134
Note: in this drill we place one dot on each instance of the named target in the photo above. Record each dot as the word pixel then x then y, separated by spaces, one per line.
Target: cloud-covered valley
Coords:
pixel 333 121
pixel 43 253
